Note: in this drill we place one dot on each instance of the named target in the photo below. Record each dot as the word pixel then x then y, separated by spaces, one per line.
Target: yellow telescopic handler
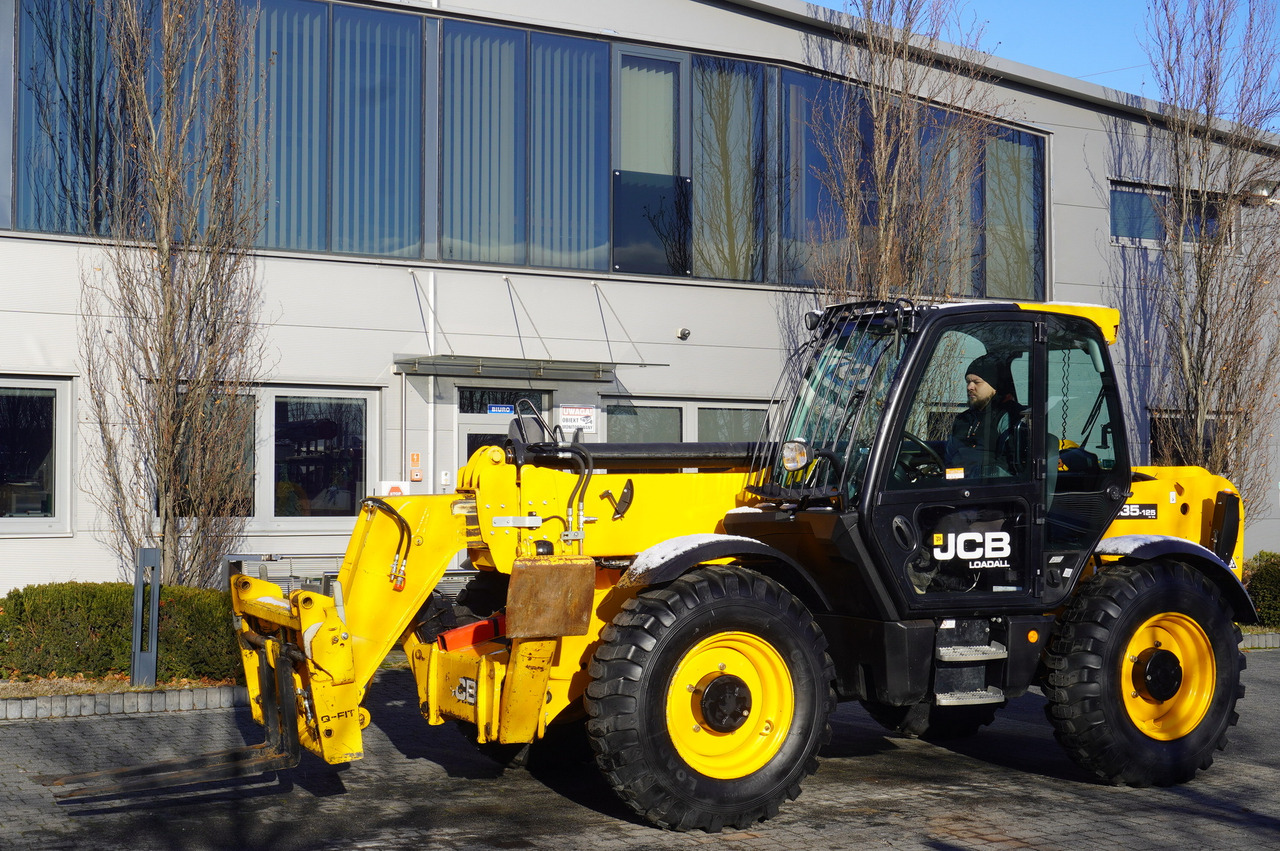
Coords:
pixel 942 514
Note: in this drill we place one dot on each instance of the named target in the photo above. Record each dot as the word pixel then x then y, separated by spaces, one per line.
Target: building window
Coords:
pixel 377 132
pixel 1174 442
pixel 996 245
pixel 678 421
pixel 732 425
pixel 320 455
pixel 480 400
pixel 651 195
pixel 1013 231
pixel 629 423
pixel 734 179
pixel 35 429
pixel 66 158
pixel 8 40
pixel 483 144
pixel 569 153
pixel 293 36
pixel 1138 214
pixel 808 219
pixel 1134 216
pixel 394 133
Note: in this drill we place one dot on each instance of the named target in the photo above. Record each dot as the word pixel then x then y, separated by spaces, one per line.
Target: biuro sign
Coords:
pixel 981 549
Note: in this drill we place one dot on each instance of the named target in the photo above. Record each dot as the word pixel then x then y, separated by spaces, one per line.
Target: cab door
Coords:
pixel 961 492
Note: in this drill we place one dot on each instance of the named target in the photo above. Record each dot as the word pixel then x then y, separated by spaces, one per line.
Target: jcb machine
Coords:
pixel 943 515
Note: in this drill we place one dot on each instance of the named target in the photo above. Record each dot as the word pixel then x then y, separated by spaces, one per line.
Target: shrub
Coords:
pixel 87 628
pixel 1263 575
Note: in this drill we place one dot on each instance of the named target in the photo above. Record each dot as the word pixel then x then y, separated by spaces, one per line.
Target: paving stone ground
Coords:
pixel 427 789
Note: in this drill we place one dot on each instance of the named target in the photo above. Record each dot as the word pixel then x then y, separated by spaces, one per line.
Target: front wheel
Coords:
pixel 709 699
pixel 1144 674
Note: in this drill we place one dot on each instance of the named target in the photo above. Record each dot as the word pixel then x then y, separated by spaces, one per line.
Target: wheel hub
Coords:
pixel 726 703
pixel 1158 672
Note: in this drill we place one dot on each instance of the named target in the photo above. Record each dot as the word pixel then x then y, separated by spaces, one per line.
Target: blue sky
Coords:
pixel 1100 42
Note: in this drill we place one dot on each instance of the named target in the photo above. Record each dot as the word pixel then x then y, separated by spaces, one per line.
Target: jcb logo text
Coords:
pixel 972 545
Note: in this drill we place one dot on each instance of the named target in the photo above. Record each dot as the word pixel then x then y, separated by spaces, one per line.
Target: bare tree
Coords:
pixel 171 342
pixel 1216 286
pixel 901 149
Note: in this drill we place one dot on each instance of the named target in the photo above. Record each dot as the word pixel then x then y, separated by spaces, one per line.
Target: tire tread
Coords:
pixel 617 670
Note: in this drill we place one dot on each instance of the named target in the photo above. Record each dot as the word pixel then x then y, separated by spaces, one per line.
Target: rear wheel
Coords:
pixel 1144 674
pixel 709 700
pixel 928 721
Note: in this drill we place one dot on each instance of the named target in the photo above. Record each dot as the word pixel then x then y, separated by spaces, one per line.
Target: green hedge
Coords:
pixel 87 628
pixel 1263 574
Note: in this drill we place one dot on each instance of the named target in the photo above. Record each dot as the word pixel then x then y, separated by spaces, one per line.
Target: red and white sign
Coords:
pixel 574 417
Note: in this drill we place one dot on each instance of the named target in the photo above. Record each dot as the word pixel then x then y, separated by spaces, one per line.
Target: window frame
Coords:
pixel 688 408
pixel 8 99
pixel 264 518
pixel 1152 192
pixel 1161 421
pixel 683 60
pixel 59 524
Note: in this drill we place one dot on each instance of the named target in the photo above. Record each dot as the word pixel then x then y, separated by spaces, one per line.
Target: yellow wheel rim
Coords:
pixel 730 705
pixel 1168 674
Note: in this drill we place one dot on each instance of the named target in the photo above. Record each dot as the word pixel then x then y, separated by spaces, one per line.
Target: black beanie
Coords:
pixel 994 370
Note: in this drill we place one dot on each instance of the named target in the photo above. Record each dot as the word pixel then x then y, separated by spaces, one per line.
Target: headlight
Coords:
pixel 795 455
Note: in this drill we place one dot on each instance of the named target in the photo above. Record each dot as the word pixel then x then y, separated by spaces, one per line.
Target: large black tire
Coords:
pixel 1144 674
pixel 740 668
pixel 931 722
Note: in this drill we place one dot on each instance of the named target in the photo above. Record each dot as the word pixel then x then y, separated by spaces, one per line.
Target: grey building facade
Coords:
pixel 477 203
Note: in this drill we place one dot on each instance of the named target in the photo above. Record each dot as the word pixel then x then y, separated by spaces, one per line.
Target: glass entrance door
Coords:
pixel 485 414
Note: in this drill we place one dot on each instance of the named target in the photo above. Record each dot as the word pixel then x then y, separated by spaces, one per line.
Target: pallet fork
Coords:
pixel 281 749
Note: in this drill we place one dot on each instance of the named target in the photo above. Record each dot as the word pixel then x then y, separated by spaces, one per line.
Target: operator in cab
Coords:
pixel 985 439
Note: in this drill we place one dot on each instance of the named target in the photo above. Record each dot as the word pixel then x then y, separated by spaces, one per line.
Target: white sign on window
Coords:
pixel 574 417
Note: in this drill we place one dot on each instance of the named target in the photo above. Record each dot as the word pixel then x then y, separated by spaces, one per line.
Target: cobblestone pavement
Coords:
pixel 425 788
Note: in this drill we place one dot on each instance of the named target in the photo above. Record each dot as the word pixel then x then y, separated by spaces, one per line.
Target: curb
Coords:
pixel 121 703
pixel 1261 641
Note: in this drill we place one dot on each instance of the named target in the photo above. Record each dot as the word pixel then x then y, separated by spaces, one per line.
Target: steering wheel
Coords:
pixel 915 467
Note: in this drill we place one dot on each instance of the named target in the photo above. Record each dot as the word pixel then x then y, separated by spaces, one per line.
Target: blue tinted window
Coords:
pixel 569 153
pixel 68 160
pixel 651 233
pixel 651 197
pixel 733 180
pixel 1134 216
pixel 377 132
pixel 292 44
pixel 1012 224
pixel 808 220
pixel 483 144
